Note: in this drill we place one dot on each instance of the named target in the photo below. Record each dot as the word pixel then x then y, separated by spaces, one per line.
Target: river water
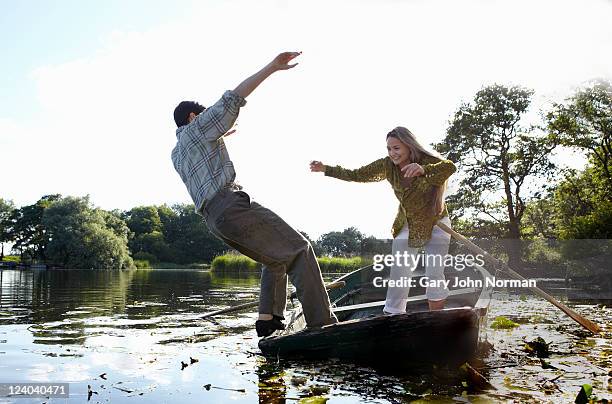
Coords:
pixel 136 337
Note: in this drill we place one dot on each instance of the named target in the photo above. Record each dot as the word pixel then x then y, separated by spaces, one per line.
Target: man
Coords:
pixel 202 161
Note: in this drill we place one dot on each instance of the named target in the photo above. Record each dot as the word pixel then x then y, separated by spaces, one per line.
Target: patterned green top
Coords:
pixel 415 194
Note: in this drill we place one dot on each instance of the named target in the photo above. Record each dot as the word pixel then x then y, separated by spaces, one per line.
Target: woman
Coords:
pixel 418 178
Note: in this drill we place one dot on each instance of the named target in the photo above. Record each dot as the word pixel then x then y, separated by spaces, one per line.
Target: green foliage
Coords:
pixel 142 264
pixel 11 258
pixel 6 207
pixel 174 265
pixel 234 262
pixel 144 219
pixel 496 155
pixel 171 234
pixel 594 225
pixel 238 262
pixel 189 238
pixel 145 256
pixel 503 323
pixel 339 264
pixel 345 243
pixel 538 221
pixel 26 231
pixel 545 255
pixel 584 122
pixel 582 200
pixel 79 236
pixel 583 209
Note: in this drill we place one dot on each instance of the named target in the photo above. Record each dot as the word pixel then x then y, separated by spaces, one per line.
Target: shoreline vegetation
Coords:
pixel 237 263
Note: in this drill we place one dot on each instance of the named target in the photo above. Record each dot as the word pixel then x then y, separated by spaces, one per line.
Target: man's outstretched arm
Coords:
pixel 281 62
pixel 219 119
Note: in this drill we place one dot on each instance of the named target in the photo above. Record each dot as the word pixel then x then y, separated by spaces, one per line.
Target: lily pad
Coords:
pixel 503 323
pixel 313 400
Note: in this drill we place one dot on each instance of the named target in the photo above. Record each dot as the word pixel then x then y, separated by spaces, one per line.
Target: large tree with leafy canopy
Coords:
pixel 584 122
pixel 82 236
pixel 499 157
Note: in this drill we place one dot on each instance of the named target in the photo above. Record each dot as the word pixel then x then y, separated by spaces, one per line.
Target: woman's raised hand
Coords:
pixel 412 170
pixel 317 167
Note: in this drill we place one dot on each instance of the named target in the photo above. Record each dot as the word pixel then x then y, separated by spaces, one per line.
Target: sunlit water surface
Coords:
pixel 137 336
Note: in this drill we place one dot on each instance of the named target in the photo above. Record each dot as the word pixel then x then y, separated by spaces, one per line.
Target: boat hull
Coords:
pixel 448 336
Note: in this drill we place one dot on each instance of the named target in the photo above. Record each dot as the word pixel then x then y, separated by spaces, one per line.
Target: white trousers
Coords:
pixel 435 252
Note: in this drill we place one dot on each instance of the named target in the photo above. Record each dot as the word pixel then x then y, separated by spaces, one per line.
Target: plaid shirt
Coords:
pixel 200 156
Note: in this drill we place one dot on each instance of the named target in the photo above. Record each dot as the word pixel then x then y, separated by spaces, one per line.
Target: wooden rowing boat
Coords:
pixel 365 335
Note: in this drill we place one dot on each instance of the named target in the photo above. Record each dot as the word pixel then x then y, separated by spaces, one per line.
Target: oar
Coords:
pixel 585 322
pixel 329 286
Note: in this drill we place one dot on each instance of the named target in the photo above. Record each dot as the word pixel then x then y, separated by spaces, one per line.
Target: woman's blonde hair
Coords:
pixel 417 151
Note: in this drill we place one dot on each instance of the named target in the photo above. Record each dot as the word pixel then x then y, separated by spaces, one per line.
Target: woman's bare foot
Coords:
pixel 436 304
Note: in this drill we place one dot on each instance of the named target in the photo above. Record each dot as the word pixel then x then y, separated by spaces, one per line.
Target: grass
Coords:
pixel 11 258
pixel 233 262
pixel 174 265
pixel 338 264
pixel 236 263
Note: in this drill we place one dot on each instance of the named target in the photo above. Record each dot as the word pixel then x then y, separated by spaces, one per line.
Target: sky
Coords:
pixel 88 90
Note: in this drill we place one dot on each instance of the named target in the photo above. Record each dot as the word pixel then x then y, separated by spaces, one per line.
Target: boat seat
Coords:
pixel 381 303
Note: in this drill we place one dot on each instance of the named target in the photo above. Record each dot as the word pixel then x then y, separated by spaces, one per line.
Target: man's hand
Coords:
pixel 413 170
pixel 281 62
pixel 317 167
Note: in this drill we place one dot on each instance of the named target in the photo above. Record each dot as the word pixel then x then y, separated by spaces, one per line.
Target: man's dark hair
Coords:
pixel 182 111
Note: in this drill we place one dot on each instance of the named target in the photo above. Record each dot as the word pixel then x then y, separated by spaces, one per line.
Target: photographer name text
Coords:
pixel 457 282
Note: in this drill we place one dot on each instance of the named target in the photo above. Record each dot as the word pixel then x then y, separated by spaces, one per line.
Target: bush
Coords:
pixel 145 256
pixel 142 264
pixel 545 257
pixel 12 258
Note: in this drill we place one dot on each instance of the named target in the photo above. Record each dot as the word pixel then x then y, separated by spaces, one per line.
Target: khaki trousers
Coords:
pixel 262 235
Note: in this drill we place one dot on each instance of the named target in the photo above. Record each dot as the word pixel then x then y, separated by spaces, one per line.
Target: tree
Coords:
pixel 143 219
pixel 585 122
pixel 315 246
pixel 584 199
pixel 26 229
pixel 497 155
pixel 582 208
pixel 540 219
pixel 345 243
pixel 81 236
pixel 147 233
pixel 189 237
pixel 6 207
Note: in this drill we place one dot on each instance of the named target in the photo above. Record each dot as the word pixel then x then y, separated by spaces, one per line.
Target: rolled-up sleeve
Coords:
pixel 217 120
